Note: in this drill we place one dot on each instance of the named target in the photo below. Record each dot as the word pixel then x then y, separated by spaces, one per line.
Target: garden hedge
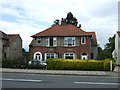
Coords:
pixel 70 64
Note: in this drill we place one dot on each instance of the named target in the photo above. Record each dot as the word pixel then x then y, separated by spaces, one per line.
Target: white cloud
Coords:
pixel 25 31
pixel 34 16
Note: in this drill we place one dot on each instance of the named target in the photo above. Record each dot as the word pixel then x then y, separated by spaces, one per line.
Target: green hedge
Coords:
pixel 69 64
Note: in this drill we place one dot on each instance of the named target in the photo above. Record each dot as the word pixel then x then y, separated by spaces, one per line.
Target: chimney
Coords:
pixel 63 22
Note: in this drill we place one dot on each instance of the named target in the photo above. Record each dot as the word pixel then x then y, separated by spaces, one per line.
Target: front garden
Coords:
pixel 63 64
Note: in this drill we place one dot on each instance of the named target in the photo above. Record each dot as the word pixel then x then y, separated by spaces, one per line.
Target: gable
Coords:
pixel 4 35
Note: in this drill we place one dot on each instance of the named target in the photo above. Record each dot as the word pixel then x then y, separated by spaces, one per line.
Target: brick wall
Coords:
pixel 60 49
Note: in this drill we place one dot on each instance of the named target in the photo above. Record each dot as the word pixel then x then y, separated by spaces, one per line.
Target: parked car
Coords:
pixel 37 64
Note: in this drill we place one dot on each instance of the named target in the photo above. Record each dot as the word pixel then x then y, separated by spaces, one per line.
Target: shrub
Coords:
pixel 107 64
pixel 14 63
pixel 69 64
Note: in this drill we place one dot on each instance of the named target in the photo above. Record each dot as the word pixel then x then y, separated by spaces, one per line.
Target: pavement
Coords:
pixel 61 72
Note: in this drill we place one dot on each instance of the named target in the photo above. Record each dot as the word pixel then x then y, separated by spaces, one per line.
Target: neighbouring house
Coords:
pixel 116 52
pixel 11 45
pixel 63 41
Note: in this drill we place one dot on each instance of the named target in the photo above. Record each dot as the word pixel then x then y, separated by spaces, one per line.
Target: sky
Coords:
pixel 28 17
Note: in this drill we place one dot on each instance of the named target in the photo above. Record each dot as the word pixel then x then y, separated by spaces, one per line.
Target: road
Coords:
pixel 17 80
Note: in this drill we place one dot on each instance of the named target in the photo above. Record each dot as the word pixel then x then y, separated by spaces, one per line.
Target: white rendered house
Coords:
pixel 116 52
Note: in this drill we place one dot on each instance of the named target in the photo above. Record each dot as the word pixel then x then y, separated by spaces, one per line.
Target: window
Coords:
pixel 50 55
pixel 51 41
pixel 69 41
pixel 83 40
pixel 69 55
pixel 38 40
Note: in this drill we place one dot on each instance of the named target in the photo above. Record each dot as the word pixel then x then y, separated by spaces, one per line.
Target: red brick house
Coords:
pixel 63 41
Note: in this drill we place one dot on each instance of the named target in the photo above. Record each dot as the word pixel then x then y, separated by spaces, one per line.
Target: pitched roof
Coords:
pixel 4 35
pixel 118 32
pixel 93 37
pixel 67 30
pixel 59 30
pixel 12 38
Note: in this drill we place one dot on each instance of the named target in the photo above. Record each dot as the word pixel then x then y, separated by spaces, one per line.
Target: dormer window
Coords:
pixel 83 40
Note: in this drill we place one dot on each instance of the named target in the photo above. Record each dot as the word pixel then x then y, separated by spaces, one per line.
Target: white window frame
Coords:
pixel 55 55
pixel 69 54
pixel 84 56
pixel 54 41
pixel 38 40
pixel 48 41
pixel 34 57
pixel 82 40
pixel 66 41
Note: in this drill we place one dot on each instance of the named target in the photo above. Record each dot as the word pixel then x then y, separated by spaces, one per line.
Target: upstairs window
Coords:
pixel 83 40
pixel 51 41
pixel 38 40
pixel 69 41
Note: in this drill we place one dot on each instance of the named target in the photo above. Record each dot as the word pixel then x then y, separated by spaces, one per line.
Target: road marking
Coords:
pixel 96 83
pixel 21 80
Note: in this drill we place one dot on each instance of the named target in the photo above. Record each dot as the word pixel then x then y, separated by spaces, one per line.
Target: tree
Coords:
pixel 100 53
pixel 70 19
pixel 107 51
pixel 56 22
pixel 109 47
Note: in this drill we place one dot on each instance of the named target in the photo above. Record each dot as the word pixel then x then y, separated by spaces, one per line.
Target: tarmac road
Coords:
pixel 24 80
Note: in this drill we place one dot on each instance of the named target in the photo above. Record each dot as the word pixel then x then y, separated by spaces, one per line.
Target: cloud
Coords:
pixel 25 30
pixel 28 17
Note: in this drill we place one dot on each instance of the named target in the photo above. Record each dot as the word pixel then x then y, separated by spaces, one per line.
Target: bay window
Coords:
pixel 50 55
pixel 69 55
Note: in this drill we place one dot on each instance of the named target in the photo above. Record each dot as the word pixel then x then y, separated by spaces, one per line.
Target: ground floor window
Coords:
pixel 84 56
pixel 50 55
pixel 69 55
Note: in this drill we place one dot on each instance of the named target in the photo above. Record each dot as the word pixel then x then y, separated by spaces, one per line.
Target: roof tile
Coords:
pixel 67 30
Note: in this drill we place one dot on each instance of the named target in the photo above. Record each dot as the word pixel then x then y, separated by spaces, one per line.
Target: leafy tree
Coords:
pixel 109 47
pixel 100 53
pixel 107 51
pixel 56 22
pixel 70 19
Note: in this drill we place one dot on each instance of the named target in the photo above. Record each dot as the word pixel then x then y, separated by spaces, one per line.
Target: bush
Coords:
pixel 107 64
pixel 14 63
pixel 69 64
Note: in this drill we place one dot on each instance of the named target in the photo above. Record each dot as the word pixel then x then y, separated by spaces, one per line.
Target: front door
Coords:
pixel 38 56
